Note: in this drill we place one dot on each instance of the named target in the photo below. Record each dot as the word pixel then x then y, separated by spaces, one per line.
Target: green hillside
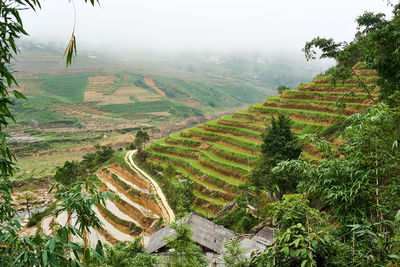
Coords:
pixel 218 155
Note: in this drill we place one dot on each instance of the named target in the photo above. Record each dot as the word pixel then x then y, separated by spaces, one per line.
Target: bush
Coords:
pixel 37 217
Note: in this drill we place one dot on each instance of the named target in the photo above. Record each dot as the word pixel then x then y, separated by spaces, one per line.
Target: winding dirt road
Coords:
pixel 170 213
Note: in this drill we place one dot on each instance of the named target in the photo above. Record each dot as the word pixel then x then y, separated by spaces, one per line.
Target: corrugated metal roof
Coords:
pixel 265 235
pixel 203 233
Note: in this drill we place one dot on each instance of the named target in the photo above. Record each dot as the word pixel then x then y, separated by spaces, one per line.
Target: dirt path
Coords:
pixel 170 213
pixel 150 82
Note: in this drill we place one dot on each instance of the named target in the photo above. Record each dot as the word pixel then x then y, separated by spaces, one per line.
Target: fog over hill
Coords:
pixel 208 25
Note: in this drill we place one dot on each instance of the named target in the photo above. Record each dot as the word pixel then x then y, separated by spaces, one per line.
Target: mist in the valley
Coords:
pixel 153 29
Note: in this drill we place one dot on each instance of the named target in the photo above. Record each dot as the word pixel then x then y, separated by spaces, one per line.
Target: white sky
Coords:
pixel 259 25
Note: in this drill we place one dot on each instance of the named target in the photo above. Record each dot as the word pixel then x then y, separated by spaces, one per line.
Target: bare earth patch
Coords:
pixel 150 82
pixel 121 95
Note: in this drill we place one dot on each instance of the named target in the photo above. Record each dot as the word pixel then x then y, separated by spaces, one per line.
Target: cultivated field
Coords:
pixel 218 155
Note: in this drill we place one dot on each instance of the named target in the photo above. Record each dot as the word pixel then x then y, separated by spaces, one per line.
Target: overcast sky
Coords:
pixel 226 25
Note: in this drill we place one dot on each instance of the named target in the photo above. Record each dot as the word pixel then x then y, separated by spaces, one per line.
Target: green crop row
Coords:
pixel 205 212
pixel 176 139
pixel 130 191
pixel 226 168
pixel 215 127
pixel 218 164
pixel 69 88
pixel 206 204
pixel 175 150
pixel 312 114
pixel 219 137
pixel 259 127
pixel 330 104
pixel 200 185
pixel 173 108
pixel 305 126
pixel 233 155
pixel 209 176
pixel 332 86
pixel 133 228
pixel 209 199
pixel 360 96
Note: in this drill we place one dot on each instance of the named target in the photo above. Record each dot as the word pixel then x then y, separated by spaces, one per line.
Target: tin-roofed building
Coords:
pixel 210 237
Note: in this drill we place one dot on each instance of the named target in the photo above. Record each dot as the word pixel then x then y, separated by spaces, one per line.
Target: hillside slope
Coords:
pixel 218 155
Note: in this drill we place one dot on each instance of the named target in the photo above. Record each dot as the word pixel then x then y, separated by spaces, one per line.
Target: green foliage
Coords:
pixel 92 161
pixel 185 251
pixel 386 245
pixel 152 106
pixel 68 88
pixel 352 185
pixel 37 217
pixel 71 171
pixel 302 229
pixel 375 44
pixel 292 245
pixel 279 144
pixel 141 138
pixel 215 96
pixel 282 88
pixel 126 254
pixel 183 196
pixel 233 256
pixel 292 210
pixel 238 219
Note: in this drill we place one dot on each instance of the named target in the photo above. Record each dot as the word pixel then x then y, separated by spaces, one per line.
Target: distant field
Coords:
pixel 70 88
pixel 153 106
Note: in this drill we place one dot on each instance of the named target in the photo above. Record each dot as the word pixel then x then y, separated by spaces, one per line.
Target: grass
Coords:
pixel 43 166
pixel 209 199
pixel 205 212
pixel 152 106
pixel 69 88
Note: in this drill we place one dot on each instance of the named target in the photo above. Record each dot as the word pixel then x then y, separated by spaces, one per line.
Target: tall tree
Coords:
pixel 279 144
pixel 141 138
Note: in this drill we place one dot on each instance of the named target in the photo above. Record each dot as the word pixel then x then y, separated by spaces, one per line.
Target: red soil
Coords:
pixel 150 82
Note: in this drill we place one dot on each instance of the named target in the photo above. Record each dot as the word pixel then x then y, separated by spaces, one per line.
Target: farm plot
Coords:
pixel 133 212
pixel 218 155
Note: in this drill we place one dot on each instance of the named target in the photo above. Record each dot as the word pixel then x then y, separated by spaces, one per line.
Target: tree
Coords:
pixel 360 188
pixel 69 173
pixel 183 196
pixel 184 251
pixel 234 254
pixel 282 88
pixel 375 43
pixel 28 197
pixel 301 230
pixel 279 144
pixel 126 254
pixel 141 138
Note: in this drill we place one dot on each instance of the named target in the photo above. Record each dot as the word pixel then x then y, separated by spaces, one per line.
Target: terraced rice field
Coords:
pixel 133 212
pixel 218 155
